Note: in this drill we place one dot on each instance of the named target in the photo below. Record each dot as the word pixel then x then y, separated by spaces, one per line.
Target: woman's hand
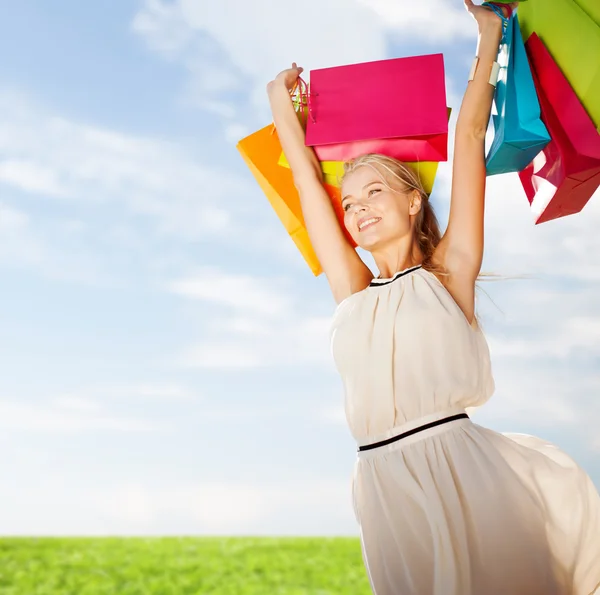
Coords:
pixel 486 18
pixel 286 78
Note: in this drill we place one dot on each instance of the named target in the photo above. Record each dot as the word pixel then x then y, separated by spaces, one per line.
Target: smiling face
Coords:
pixel 378 208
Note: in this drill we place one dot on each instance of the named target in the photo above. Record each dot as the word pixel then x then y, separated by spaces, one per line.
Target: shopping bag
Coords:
pixel 261 151
pixel 592 8
pixel 519 133
pixel 425 171
pixel 565 175
pixel 572 37
pixel 396 107
pixel 333 171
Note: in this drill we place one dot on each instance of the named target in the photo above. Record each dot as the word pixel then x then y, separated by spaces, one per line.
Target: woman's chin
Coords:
pixel 368 241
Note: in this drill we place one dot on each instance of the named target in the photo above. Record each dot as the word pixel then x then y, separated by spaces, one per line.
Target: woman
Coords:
pixel 445 506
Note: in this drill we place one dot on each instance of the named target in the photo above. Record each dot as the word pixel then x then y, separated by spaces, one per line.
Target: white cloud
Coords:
pixel 19 245
pixel 534 391
pixel 333 415
pixel 76 403
pixel 91 396
pixel 243 293
pixel 118 197
pixel 225 55
pixel 261 324
pixel 310 507
pixel 545 343
pixel 66 417
pixel 234 132
pixel 12 220
pixel 545 319
pixel 226 355
pixel 429 20
pixel 31 177
pixel 53 157
pixel 303 341
pixel 160 391
pixel 560 341
pixel 163 25
pixel 343 32
pixel 25 242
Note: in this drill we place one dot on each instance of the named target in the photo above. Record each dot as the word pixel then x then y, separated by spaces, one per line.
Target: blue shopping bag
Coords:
pixel 519 133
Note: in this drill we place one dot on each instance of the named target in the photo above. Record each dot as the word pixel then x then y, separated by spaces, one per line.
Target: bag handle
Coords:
pixel 496 8
pixel 300 95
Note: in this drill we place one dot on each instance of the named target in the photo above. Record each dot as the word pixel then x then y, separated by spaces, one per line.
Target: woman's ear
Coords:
pixel 415 202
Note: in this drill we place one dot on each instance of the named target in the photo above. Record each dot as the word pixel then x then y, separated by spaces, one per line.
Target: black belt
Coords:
pixel 408 433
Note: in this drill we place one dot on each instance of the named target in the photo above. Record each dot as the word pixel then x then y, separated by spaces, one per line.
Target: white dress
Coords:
pixel 457 509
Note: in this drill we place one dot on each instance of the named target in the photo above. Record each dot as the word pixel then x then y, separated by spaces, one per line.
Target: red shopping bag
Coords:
pixel 565 175
pixel 396 107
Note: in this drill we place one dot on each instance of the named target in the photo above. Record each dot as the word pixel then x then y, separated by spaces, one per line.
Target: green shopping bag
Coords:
pixel 570 32
pixel 592 7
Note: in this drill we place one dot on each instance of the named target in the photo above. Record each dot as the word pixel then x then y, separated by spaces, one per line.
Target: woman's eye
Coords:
pixel 374 191
pixel 346 207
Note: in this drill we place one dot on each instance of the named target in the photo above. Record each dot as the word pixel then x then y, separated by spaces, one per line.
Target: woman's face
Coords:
pixel 373 214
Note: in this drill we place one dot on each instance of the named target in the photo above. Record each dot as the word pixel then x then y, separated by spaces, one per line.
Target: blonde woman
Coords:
pixel 445 506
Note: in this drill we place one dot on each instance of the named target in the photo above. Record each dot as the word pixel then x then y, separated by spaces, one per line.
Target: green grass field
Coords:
pixel 181 566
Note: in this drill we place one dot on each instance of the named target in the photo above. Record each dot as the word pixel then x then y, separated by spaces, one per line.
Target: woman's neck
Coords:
pixel 396 258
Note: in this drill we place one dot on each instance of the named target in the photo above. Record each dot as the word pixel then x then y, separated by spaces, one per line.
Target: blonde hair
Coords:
pixel 427 230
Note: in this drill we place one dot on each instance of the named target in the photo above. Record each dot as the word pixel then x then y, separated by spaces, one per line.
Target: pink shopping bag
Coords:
pixel 396 107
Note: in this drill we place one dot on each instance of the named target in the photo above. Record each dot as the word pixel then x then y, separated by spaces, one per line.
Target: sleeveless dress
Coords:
pixel 457 509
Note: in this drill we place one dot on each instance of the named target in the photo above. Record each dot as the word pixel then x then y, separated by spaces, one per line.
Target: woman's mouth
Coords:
pixel 364 223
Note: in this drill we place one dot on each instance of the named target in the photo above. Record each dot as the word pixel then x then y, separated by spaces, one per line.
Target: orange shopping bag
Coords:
pixel 261 151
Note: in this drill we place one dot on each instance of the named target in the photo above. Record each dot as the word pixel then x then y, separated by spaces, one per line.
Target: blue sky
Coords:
pixel 164 354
